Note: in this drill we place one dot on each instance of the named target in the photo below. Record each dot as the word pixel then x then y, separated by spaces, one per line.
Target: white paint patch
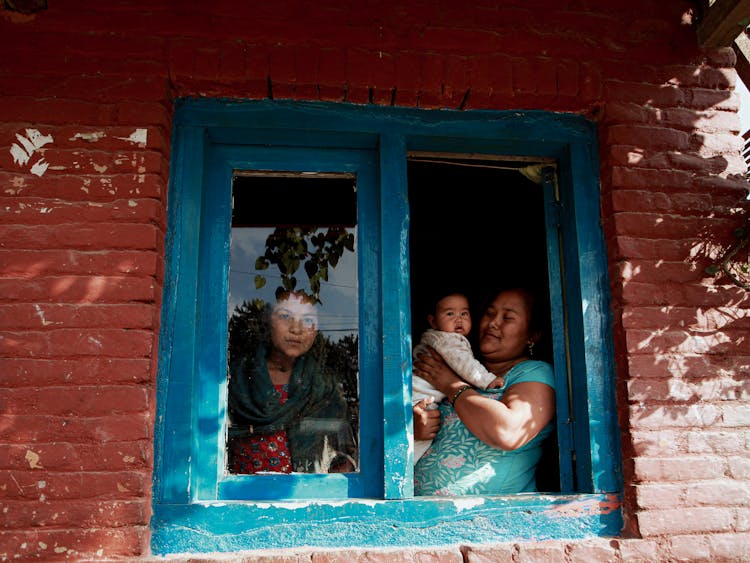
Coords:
pixel 20 156
pixel 92 137
pixel 45 322
pixel 23 151
pixel 40 167
pixel 467 503
pixel 137 137
pixel 33 459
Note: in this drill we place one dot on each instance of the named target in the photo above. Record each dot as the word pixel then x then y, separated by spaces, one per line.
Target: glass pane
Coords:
pixel 293 324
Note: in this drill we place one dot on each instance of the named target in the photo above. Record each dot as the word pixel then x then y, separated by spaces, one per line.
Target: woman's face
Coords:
pixel 504 327
pixel 294 324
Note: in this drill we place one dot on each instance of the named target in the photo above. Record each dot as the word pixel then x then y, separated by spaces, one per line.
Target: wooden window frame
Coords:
pixel 190 511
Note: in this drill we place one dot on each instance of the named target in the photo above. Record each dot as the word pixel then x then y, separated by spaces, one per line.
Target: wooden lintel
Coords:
pixel 723 22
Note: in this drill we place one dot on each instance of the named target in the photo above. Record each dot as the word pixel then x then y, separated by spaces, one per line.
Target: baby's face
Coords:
pixel 452 315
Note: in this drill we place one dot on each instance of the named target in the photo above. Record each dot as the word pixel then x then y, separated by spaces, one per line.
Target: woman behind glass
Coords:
pixel 286 409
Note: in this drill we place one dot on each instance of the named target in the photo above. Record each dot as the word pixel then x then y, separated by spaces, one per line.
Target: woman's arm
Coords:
pixel 507 424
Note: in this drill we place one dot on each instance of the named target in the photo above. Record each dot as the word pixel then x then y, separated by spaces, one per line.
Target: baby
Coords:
pixel 451 323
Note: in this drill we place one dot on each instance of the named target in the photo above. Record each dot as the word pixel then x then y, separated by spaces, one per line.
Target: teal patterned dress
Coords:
pixel 457 463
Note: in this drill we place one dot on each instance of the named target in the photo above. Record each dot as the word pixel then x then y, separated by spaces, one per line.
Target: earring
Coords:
pixel 531 348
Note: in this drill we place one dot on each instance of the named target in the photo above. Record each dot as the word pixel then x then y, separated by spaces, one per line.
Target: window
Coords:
pixel 370 171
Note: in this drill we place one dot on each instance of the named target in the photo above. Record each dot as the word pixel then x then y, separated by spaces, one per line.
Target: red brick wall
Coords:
pixel 81 244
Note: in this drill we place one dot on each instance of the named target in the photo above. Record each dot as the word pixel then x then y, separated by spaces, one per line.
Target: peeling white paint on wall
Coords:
pixel 137 137
pixel 23 151
pixel 33 459
pixel 91 137
pixel 40 167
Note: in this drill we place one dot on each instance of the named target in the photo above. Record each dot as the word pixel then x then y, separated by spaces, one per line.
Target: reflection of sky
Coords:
pixel 338 313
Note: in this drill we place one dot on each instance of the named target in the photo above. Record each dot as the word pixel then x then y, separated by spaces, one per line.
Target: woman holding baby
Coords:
pixel 488 441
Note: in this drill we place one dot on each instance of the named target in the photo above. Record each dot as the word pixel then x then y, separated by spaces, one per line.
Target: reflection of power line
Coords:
pixel 232 270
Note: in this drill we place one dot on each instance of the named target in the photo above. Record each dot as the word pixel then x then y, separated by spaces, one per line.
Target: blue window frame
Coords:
pixel 197 507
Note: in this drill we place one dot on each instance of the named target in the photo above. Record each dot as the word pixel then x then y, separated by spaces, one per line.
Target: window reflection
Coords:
pixel 293 324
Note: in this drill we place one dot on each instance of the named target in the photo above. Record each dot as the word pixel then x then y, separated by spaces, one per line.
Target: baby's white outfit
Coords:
pixel 456 351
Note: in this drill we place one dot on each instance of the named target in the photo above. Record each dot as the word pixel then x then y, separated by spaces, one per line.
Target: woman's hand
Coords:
pixel 432 368
pixel 426 420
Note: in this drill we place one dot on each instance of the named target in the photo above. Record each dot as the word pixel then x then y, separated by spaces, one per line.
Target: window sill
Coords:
pixel 418 522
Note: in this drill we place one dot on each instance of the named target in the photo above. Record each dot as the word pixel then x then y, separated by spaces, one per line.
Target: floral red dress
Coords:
pixel 264 452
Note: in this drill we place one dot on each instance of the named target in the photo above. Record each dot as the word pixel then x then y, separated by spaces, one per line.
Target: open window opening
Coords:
pixel 478 224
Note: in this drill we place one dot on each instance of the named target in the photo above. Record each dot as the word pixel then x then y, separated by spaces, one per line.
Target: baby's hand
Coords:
pixel 496 383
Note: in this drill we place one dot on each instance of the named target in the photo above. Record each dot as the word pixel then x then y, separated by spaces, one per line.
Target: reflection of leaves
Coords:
pixel 247 327
pixel 318 251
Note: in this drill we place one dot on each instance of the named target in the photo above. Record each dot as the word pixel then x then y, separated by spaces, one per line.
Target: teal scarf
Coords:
pixel 314 414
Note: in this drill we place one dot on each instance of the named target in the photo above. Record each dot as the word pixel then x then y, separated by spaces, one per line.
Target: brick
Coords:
pixel 645 271
pixel 728 547
pixel 151 113
pixel 74 514
pixel 60 112
pixel 74 401
pixel 632 92
pixel 41 263
pixel 654 417
pixel 539 552
pixel 629 246
pixel 682 468
pixel 45 544
pixel 739 467
pixel 680 341
pixel 715 442
pixel 51 486
pixel 39 316
pixel 689 548
pixel 383 556
pixel 683 520
pixel 638 551
pixel 535 76
pixel 663 226
pixel 85 188
pixel 72 457
pixel 659 442
pixel 77 371
pixel 27 211
pixel 74 342
pixel 715 492
pixel 667 293
pixel 98 236
pixel 698 319
pixel 78 289
pixel 593 552
pixel 501 553
pixel 679 390
pixel 742 519
pixel 642 179
pixel 116 428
